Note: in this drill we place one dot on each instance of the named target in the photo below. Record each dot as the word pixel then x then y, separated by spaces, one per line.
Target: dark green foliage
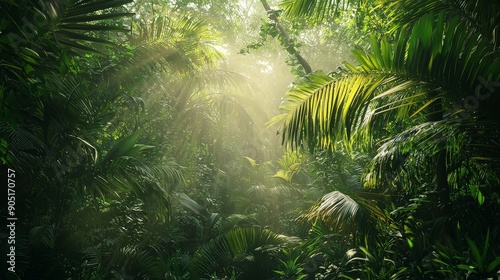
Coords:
pixel 138 155
pixel 247 250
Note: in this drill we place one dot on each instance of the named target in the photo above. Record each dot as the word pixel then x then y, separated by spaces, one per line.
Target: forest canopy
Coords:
pixel 245 139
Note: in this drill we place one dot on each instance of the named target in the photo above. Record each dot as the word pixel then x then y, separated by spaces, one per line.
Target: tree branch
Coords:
pixel 287 42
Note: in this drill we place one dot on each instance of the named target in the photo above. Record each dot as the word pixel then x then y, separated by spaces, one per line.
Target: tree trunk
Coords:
pixel 287 42
pixel 441 173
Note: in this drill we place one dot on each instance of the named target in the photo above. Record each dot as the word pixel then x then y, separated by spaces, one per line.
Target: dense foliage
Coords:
pixel 140 136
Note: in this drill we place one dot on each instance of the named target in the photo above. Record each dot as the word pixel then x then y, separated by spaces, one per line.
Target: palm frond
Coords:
pixel 192 205
pixel 185 41
pixel 43 235
pixel 70 19
pixel 20 138
pixel 170 171
pixel 428 138
pixel 290 164
pixel 437 52
pixel 315 9
pixel 124 171
pixel 283 191
pixel 40 36
pixel 240 220
pixel 480 16
pixel 348 213
pixel 434 56
pixel 322 111
pixel 242 248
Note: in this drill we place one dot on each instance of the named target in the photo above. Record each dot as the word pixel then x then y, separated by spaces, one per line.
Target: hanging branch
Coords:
pixel 287 42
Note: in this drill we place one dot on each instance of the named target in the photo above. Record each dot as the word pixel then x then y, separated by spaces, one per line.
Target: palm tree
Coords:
pixel 429 87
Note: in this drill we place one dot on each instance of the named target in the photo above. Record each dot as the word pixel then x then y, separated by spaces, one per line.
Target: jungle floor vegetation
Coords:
pixel 245 139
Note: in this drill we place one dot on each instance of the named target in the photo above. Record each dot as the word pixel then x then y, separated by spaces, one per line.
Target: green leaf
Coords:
pixel 192 205
pixel 466 267
pixel 79 46
pixel 94 6
pixel 68 35
pixel 493 265
pixel 480 197
pixel 123 147
pixel 89 18
pixel 93 27
pixel 410 243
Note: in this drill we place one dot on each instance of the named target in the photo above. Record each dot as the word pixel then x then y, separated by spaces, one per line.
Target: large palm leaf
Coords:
pixel 180 43
pixel 43 26
pixel 320 110
pixel 434 60
pixel 240 249
pixel 316 9
pixel 124 169
pixel 349 213
pixel 480 16
pixel 70 20
pixel 37 37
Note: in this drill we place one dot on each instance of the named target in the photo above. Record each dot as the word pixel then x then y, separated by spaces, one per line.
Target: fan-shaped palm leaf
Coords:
pixel 70 18
pixel 348 213
pixel 241 248
pixel 122 169
pixel 70 23
pixel 182 43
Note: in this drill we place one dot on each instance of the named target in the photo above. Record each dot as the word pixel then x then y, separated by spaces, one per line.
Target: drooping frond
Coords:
pixel 70 23
pixel 322 110
pixel 43 236
pixel 416 143
pixel 74 18
pixel 243 248
pixel 171 172
pixel 348 213
pixel 442 54
pixel 315 9
pixel 192 205
pixel 24 147
pixel 435 60
pixel 480 16
pixel 186 39
pixel 39 36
